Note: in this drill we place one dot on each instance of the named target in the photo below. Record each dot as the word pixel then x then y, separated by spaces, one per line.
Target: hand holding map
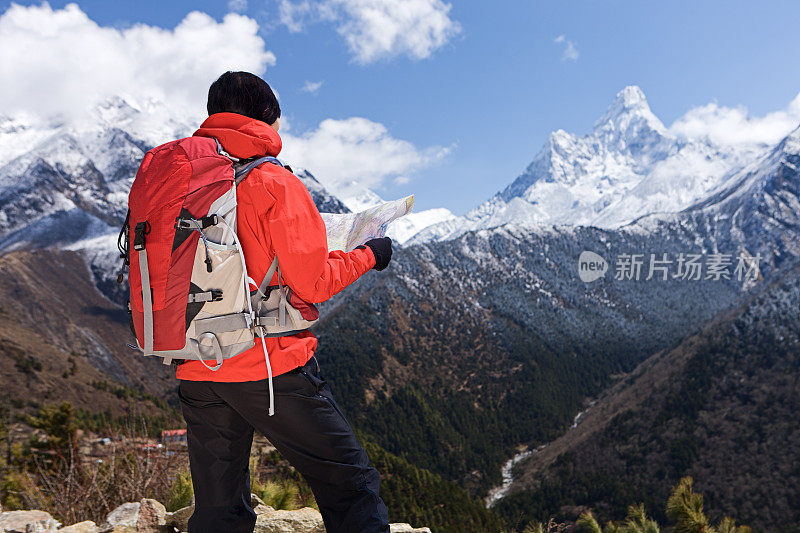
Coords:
pixel 348 230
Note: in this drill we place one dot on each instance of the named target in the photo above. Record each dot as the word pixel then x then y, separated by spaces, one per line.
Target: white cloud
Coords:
pixel 339 152
pixel 378 29
pixel 570 52
pixel 237 5
pixel 60 61
pixel 311 87
pixel 294 15
pixel 734 126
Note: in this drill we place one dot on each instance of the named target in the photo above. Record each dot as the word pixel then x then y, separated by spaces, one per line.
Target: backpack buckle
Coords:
pixel 139 233
pixel 213 295
pixel 196 223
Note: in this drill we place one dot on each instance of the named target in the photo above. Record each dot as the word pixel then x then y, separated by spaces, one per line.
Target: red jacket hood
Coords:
pixel 241 136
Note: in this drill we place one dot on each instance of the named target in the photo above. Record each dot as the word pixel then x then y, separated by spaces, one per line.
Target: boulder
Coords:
pixel 406 528
pixel 81 527
pixel 152 516
pixel 305 520
pixel 259 506
pixel 180 518
pixel 263 509
pixel 126 515
pixel 27 522
pixel 146 516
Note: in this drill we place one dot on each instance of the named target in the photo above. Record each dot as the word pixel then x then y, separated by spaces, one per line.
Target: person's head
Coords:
pixel 246 94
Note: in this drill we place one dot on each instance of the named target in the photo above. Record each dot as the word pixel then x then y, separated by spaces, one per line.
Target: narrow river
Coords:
pixel 507 471
pixel 498 493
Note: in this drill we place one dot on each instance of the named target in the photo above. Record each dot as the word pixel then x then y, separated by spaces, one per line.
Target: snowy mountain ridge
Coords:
pixel 65 180
pixel 628 166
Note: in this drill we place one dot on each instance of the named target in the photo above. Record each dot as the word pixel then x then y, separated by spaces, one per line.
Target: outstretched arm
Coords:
pixel 300 242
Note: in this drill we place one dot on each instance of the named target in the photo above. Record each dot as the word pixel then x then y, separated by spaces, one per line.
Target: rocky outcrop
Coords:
pixel 146 516
pixel 406 528
pixel 27 522
pixel 150 516
pixel 81 527
pixel 307 520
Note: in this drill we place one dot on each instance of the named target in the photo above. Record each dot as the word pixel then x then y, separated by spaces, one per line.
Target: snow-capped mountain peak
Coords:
pixel 629 125
pixel 628 166
pixel 629 104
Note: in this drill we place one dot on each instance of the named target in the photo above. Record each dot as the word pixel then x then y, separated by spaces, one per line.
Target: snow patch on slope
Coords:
pixel 402 229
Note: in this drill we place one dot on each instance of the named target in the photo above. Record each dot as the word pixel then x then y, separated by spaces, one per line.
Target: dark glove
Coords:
pixel 381 249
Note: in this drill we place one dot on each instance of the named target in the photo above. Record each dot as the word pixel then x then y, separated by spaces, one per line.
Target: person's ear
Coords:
pixel 277 124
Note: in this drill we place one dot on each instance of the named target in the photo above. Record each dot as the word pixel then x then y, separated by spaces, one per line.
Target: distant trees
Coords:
pixel 58 424
pixel 684 508
pixel 5 437
pixel 635 522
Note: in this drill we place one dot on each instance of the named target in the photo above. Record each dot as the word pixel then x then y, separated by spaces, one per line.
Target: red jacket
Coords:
pixel 277 215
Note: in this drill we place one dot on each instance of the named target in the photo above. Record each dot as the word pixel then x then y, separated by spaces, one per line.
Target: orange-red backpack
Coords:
pixel 190 295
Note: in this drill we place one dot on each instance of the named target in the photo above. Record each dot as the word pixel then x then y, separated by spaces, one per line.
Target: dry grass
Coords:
pixel 74 490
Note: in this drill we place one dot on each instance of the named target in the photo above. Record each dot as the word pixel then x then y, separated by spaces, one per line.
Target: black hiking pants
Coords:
pixel 308 429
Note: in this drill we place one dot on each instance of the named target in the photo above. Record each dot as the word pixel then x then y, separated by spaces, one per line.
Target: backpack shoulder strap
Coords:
pixel 243 168
pixel 273 267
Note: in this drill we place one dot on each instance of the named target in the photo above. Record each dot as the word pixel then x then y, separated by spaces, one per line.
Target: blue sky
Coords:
pixel 495 90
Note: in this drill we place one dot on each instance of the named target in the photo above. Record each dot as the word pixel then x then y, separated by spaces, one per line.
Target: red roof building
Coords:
pixel 170 436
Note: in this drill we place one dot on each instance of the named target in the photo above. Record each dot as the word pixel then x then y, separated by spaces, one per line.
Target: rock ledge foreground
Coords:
pixel 150 516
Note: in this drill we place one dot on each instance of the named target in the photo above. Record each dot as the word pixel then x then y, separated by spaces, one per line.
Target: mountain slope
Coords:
pixel 59 335
pixel 719 407
pixel 758 209
pixel 72 179
pixel 490 340
pixel 701 408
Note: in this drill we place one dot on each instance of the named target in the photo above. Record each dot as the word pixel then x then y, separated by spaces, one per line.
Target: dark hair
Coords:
pixel 243 93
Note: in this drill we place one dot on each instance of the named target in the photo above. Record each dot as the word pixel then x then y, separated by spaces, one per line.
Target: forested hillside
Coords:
pixel 720 407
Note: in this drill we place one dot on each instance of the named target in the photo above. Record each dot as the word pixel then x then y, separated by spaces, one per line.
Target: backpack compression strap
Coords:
pixel 139 239
pixel 241 170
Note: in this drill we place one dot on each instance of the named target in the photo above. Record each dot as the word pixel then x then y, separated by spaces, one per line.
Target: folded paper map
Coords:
pixel 348 230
